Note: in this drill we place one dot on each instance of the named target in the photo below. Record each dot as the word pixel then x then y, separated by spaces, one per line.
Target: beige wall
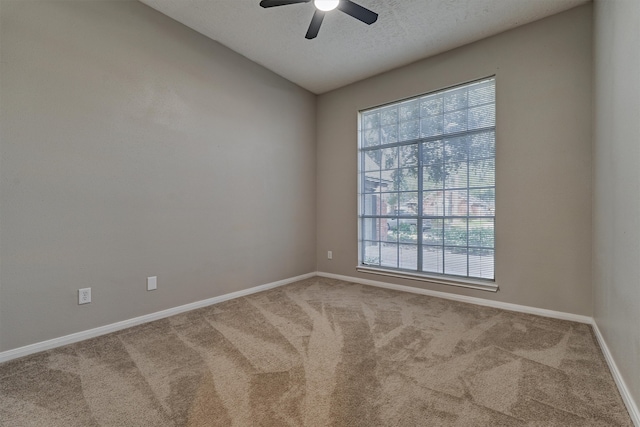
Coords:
pixel 543 84
pixel 616 182
pixel 131 146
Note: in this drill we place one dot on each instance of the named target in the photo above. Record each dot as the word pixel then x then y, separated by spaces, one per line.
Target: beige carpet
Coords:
pixel 322 352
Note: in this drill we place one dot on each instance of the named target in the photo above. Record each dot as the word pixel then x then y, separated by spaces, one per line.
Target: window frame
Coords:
pixel 399 272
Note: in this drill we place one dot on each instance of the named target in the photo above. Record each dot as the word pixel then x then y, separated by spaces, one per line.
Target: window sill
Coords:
pixel 482 285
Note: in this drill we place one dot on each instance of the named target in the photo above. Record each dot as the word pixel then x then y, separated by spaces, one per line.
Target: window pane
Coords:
pixel 390 179
pixel 387 203
pixel 482 202
pixel 389 159
pixel 371 137
pixel 455 232
pixel 455 121
pixel 389 116
pixel 482 173
pixel 409 203
pixel 402 229
pixel 405 179
pixel 409 257
pixel 455 203
pixel 456 175
pixel 482 145
pixel 481 93
pixel 371 229
pixel 481 233
pixel 456 149
pixel 431 126
pixel 372 160
pixel 433 259
pixel 433 203
pixel 389 230
pixel 409 111
pixel 432 153
pixel 371 253
pixel 371 120
pixel 455 261
pixel 481 263
pixel 389 134
pixel 455 100
pixel 432 177
pixel 371 203
pixel 387 180
pixel 409 130
pixel 409 155
pixel 371 182
pixel 431 106
pixel 408 179
pixel 434 234
pixel 483 116
pixel 389 255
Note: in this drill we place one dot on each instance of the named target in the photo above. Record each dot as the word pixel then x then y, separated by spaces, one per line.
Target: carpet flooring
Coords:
pixel 322 352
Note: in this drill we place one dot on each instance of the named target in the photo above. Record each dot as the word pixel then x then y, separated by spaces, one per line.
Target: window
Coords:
pixel 427 186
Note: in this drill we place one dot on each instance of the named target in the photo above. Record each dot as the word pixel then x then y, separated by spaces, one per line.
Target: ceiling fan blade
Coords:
pixel 360 13
pixel 314 27
pixel 273 3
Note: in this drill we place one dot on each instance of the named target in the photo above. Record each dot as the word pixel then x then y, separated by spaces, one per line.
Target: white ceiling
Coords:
pixel 346 50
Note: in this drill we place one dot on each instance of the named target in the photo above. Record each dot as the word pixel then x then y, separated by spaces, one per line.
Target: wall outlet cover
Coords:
pixel 84 296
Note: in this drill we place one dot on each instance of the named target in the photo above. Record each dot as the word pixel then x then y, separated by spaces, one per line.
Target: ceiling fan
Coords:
pixel 322 6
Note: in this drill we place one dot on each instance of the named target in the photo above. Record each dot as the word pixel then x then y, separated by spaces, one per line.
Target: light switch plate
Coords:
pixel 152 283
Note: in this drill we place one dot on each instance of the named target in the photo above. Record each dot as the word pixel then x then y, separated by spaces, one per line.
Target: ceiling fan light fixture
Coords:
pixel 326 5
pixel 349 7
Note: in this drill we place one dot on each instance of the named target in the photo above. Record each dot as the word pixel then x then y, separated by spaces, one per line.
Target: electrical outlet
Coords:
pixel 152 283
pixel 84 296
pixel 329 254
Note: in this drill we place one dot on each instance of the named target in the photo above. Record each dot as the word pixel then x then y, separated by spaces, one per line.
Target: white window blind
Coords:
pixel 427 183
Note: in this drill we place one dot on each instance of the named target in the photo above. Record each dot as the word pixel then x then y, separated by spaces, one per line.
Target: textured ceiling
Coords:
pixel 347 50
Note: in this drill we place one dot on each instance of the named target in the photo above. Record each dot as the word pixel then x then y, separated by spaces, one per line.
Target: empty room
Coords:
pixel 319 213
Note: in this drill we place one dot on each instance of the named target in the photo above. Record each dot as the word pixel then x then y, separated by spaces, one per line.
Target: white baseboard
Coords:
pixel 462 298
pixel 632 407
pixel 102 330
